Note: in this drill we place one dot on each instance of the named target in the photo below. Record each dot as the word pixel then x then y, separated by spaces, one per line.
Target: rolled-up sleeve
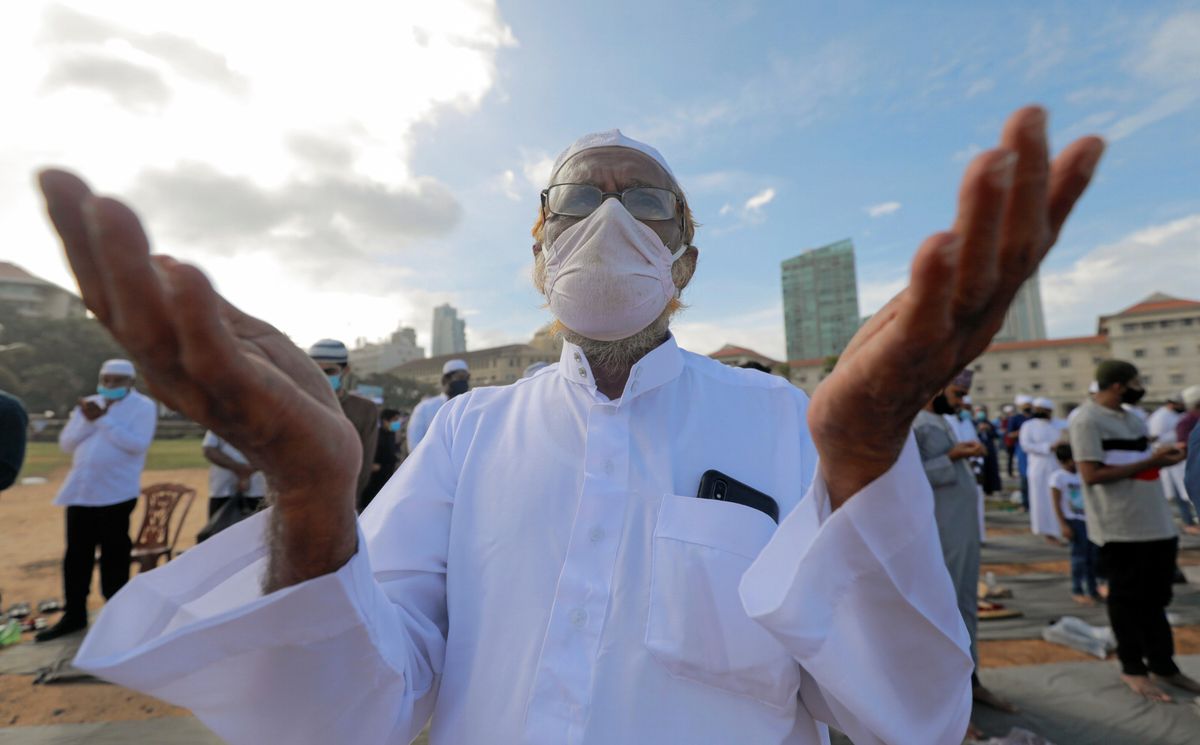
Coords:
pixel 351 656
pixel 862 600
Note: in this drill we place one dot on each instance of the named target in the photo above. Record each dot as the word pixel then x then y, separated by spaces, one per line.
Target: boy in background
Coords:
pixel 1067 496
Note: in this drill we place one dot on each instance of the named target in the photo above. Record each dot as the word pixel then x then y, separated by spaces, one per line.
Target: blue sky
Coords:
pixel 790 125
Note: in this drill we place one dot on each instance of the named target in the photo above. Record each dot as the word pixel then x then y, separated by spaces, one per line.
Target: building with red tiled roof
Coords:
pixel 35 297
pixel 736 356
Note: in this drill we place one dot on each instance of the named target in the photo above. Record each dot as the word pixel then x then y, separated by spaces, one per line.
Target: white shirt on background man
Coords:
pixel 541 571
pixel 224 483
pixel 109 453
pixel 422 417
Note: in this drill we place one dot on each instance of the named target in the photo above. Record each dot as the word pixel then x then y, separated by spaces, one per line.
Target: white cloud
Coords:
pixel 967 153
pixel 1158 258
pixel 983 85
pixel 1045 48
pixel 882 209
pixel 163 87
pixel 760 200
pixel 760 330
pixel 507 183
pixel 725 209
pixel 536 168
pixel 1169 61
pixel 874 294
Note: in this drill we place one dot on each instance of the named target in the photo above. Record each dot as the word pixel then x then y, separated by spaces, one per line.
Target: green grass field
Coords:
pixel 44 458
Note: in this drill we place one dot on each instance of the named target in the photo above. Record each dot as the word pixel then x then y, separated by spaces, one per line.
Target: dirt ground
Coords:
pixel 31 548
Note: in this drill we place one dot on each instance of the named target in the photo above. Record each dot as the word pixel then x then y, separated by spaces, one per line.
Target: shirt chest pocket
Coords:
pixel 696 625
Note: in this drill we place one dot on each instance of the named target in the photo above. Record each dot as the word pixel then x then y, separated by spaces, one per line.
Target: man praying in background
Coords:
pixel 1039 436
pixel 333 358
pixel 1130 521
pixel 545 567
pixel 107 436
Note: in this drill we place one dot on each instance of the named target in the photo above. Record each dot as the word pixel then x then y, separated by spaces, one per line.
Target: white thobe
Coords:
pixel 1038 439
pixel 540 571
pixel 422 416
pixel 108 453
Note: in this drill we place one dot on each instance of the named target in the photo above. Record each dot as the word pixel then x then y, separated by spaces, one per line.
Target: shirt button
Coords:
pixel 577 357
pixel 578 617
pixel 582 373
pixel 596 534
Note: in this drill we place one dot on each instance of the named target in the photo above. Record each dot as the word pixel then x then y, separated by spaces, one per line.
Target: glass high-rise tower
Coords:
pixel 820 301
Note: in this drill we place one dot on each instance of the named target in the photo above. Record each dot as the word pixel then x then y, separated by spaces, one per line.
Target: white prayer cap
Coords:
pixel 329 350
pixel 452 366
pixel 1191 396
pixel 118 367
pixel 1094 386
pixel 1022 399
pixel 1043 403
pixel 967 399
pixel 610 138
pixel 529 371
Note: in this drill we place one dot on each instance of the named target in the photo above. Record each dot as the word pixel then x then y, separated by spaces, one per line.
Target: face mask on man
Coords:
pixel 112 394
pixel 457 388
pixel 394 426
pixel 1132 395
pixel 335 381
pixel 1041 415
pixel 608 276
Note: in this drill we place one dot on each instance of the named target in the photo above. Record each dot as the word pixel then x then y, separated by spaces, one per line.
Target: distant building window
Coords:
pixel 1176 379
pixel 1148 325
pixel 1167 324
pixel 1037 386
pixel 1003 365
pixel 1139 353
pixel 1008 388
pixel 1188 321
pixel 1034 364
pixel 1145 379
pixel 1068 385
pixel 803 378
pixel 1128 327
pixel 1172 351
pixel 979 367
pixel 1064 361
pixel 980 388
pixel 1097 360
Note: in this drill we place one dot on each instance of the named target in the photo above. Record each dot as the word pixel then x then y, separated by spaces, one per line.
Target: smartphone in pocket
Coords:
pixel 716 485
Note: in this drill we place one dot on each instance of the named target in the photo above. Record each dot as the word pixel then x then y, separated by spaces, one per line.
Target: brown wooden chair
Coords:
pixel 155 538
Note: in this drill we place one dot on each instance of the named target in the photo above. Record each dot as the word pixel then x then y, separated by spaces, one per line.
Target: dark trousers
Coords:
pixel 88 528
pixel 1084 557
pixel 1139 591
pixel 1025 492
pixel 216 503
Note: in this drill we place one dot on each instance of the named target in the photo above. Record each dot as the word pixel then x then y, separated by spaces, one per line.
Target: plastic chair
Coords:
pixel 155 538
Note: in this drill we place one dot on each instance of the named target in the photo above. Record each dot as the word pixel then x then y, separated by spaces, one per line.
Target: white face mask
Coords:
pixel 608 276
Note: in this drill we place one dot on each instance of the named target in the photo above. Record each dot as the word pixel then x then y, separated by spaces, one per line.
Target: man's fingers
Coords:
pixel 927 311
pixel 982 203
pixel 139 314
pixel 64 194
pixel 1026 225
pixel 1069 178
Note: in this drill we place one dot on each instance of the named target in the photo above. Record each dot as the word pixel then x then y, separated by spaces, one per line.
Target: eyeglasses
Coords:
pixel 581 200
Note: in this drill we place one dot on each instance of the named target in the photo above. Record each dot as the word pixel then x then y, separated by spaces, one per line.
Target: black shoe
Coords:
pixel 65 625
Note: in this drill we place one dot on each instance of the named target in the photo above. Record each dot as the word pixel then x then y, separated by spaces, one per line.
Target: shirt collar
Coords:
pixel 661 365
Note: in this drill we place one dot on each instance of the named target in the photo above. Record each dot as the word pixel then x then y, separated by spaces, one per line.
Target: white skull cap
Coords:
pixel 1022 399
pixel 1043 403
pixel 117 367
pixel 452 366
pixel 610 138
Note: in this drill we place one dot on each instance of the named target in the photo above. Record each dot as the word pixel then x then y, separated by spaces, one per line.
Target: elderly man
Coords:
pixel 1038 438
pixel 946 459
pixel 546 567
pixel 107 436
pixel 1131 523
pixel 333 358
pixel 456 380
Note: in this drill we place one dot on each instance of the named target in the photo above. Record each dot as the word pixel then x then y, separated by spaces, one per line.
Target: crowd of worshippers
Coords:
pixel 1100 480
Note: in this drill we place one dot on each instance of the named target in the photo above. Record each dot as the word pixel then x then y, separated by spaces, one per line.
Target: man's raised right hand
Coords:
pixel 228 371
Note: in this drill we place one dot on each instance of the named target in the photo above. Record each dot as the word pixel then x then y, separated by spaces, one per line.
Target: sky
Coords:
pixel 341 172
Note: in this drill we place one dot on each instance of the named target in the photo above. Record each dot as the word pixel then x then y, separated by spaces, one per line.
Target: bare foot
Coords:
pixel 1179 680
pixel 1083 600
pixel 987 698
pixel 1141 685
